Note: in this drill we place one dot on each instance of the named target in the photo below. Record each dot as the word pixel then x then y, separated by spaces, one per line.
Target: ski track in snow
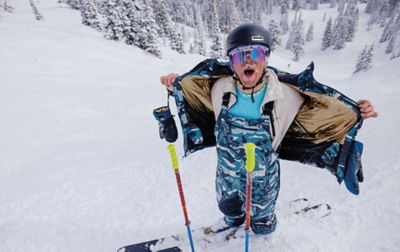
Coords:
pixel 82 167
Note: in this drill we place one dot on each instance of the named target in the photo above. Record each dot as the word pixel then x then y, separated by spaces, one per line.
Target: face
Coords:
pixel 248 64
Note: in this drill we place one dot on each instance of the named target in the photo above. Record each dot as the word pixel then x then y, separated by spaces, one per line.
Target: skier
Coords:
pixel 251 105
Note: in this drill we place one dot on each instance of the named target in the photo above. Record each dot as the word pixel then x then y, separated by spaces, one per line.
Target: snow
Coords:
pixel 82 167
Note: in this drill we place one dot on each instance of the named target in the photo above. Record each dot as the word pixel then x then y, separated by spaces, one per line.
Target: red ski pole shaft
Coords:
pixel 175 166
pixel 249 189
pixel 182 196
pixel 250 164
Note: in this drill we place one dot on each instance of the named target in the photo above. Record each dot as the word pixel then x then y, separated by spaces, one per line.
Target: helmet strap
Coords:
pixel 260 81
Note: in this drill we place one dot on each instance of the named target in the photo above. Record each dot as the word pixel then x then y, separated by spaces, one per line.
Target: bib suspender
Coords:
pixel 267 109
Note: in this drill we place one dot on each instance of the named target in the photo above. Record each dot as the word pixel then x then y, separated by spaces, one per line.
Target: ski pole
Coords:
pixel 175 166
pixel 250 163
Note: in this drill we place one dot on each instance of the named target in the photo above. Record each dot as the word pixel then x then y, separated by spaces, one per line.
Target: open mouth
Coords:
pixel 249 72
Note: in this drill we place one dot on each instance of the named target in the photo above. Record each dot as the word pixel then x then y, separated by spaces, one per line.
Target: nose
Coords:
pixel 248 57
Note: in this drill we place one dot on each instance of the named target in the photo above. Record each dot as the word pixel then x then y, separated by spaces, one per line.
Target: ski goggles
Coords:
pixel 257 53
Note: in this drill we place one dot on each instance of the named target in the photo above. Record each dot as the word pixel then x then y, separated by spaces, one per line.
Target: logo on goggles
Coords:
pixel 257 53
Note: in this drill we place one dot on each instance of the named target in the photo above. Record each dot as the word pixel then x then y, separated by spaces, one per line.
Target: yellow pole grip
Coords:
pixel 174 159
pixel 250 156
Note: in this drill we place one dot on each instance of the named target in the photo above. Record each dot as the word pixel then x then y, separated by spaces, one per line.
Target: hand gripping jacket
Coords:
pixel 322 134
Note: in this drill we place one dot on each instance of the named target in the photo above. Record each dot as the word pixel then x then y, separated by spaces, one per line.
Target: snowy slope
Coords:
pixel 82 167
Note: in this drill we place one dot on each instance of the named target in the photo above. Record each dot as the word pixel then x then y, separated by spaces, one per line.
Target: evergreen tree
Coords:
pixel 212 19
pixel 351 27
pixel 113 15
pixel 6 7
pixel 200 40
pixel 269 7
pixel 274 33
pixel 324 17
pixel 289 42
pixel 396 49
pixel 327 39
pixel 298 41
pixel 178 11
pixel 371 5
pixel 192 49
pixel 284 23
pixel 333 4
pixel 150 44
pixel 341 4
pixel 314 4
pixel 176 42
pixel 89 14
pixel 257 16
pixel 310 33
pixel 243 10
pixel 217 50
pixel 340 32
pixel 392 26
pixel 35 11
pixel 74 4
pixel 389 48
pixel 132 22
pixel 284 6
pixel 364 59
pixel 162 18
pixel 228 15
pixel 297 5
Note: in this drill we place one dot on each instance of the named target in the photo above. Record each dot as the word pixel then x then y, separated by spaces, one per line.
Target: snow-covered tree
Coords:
pixel 392 26
pixel 339 33
pixel 284 23
pixel 289 42
pixel 257 17
pixel 371 5
pixel 6 7
pixel 284 6
pixel 396 49
pixel 176 42
pixel 113 25
pixel 228 15
pixel 74 4
pixel 341 5
pixel 324 17
pixel 333 4
pixel 212 18
pixel 150 44
pixel 310 33
pixel 327 38
pixel 390 45
pixel 274 32
pixel 364 60
pixel 200 39
pixel 89 14
pixel 217 50
pixel 269 7
pixel 298 41
pixel 132 22
pixel 351 23
pixel 314 4
pixel 297 4
pixel 163 20
pixel 35 11
pixel 178 11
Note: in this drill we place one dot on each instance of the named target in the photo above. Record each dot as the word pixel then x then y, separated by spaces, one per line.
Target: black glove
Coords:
pixel 166 123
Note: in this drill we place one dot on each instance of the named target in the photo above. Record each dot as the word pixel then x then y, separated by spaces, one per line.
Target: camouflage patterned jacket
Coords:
pixel 322 134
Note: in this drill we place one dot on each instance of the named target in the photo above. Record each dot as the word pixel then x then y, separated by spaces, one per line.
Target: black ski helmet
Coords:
pixel 247 34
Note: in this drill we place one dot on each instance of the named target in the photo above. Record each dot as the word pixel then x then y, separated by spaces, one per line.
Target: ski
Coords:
pixel 205 238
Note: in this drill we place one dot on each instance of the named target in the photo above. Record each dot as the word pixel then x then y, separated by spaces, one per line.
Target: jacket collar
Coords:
pixel 274 88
